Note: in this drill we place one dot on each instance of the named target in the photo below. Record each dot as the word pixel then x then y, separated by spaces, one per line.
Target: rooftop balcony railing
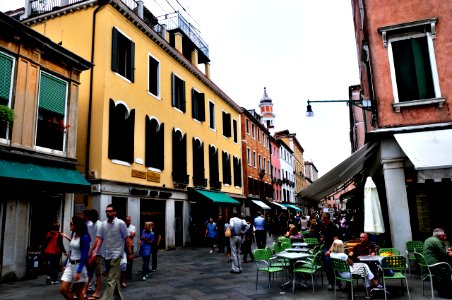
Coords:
pixel 171 21
pixel 177 21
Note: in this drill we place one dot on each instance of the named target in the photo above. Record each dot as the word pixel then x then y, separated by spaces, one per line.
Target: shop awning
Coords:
pixel 427 149
pixel 279 205
pixel 291 206
pixel 261 204
pixel 72 180
pixel 339 174
pixel 216 197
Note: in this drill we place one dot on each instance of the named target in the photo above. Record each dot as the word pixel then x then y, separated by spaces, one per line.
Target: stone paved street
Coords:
pixel 195 274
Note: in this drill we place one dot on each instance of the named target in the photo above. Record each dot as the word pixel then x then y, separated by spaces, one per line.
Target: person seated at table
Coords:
pixel 313 233
pixel 437 250
pixel 363 248
pixel 293 233
pixel 356 268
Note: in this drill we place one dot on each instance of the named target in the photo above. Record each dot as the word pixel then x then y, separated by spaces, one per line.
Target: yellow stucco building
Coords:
pixel 151 125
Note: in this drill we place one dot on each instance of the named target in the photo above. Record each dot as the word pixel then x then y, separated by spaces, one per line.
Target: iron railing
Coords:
pixel 177 21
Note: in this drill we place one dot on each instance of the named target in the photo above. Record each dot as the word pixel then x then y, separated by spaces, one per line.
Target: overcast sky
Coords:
pixel 297 49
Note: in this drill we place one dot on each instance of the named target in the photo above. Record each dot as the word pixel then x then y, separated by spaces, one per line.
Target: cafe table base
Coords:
pixel 292 257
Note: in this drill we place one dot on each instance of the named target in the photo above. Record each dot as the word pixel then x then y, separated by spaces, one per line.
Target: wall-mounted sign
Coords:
pixel 138 174
pixel 153 176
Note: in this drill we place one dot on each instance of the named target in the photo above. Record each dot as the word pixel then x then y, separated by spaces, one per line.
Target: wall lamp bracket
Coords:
pixel 365 104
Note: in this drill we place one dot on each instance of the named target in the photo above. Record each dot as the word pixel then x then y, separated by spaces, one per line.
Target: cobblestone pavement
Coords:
pixel 194 273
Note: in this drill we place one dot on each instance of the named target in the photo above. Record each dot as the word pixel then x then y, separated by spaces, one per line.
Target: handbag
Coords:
pixel 227 232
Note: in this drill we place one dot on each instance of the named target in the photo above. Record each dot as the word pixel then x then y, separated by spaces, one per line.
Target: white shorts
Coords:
pixel 71 270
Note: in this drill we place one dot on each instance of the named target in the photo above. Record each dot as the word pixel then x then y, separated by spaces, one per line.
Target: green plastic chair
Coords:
pixel 426 270
pixel 398 266
pixel 342 266
pixel 285 245
pixel 311 241
pixel 283 239
pixel 263 262
pixel 276 248
pixel 411 246
pixel 308 268
pixel 394 251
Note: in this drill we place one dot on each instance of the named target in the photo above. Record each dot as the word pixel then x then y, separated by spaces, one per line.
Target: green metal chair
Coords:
pixel 263 262
pixel 394 251
pixel 412 246
pixel 308 268
pixel 394 267
pixel 342 266
pixel 426 270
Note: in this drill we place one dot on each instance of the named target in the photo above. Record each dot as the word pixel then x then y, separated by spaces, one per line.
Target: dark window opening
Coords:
pixel 226 124
pixel 213 167
pixel 198 163
pixel 121 133
pixel 154 80
pixel 198 106
pixel 123 55
pixel 178 93
pixel 237 172
pixel 179 157
pixel 413 70
pixel 211 115
pixel 226 160
pixel 154 144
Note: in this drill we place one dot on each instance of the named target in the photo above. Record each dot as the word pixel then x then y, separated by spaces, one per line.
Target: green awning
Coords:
pixel 292 206
pixel 217 197
pixel 37 173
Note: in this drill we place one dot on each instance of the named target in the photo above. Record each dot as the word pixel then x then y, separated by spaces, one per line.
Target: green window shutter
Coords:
pixel 52 94
pixel 6 70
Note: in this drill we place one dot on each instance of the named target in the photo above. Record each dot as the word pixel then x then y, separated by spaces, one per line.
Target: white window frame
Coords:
pixel 254 159
pixel 6 140
pixel 431 52
pixel 248 156
pixel 44 149
pixel 416 29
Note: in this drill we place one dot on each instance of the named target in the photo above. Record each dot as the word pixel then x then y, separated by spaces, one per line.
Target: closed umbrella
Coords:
pixel 373 218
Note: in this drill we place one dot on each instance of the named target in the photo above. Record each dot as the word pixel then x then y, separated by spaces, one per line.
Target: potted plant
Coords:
pixel 6 115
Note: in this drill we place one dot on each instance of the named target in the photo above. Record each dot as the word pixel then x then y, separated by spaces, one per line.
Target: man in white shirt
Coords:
pixel 112 235
pixel 238 227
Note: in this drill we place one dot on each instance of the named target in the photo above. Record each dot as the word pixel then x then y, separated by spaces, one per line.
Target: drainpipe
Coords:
pixel 3 224
pixel 90 109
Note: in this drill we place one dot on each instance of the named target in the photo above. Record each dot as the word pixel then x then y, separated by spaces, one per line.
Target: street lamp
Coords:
pixel 363 103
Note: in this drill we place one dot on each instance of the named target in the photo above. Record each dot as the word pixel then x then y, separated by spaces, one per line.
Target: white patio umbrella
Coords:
pixel 373 219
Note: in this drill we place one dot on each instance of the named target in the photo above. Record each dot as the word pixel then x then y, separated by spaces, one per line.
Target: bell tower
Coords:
pixel 266 106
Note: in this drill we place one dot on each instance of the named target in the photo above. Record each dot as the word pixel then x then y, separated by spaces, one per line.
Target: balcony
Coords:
pixel 176 22
pixel 180 180
pixel 215 185
pixel 199 182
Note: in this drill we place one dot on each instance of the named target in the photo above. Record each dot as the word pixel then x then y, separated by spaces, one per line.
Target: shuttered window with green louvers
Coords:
pixel 52 94
pixel 6 71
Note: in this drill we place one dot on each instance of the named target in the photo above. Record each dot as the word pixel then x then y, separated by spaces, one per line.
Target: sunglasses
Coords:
pixel 109 211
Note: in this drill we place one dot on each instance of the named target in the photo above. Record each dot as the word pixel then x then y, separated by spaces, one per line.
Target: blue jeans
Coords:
pixel 145 268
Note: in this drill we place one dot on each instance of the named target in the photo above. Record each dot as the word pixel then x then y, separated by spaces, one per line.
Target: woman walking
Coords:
pixel 147 238
pixel 75 272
